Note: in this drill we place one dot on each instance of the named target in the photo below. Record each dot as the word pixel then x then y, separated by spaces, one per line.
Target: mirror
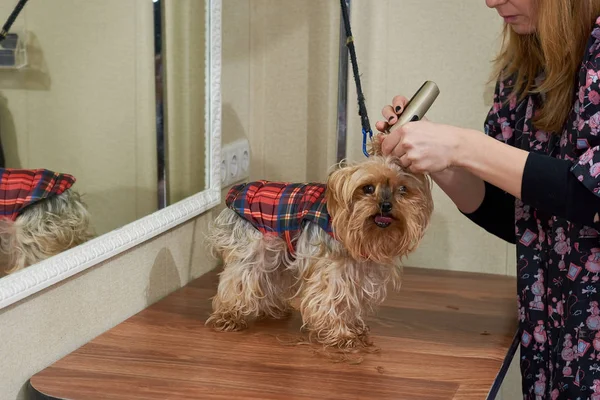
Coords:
pixel 123 98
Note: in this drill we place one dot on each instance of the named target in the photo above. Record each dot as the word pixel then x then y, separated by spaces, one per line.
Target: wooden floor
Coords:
pixel 444 336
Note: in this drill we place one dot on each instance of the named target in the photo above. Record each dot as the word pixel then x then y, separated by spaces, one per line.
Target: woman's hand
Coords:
pixel 430 148
pixel 391 113
pixel 422 146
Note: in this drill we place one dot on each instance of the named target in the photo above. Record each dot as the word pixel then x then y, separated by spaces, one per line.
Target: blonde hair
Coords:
pixel 555 49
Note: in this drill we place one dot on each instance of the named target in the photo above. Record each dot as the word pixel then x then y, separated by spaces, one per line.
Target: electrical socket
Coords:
pixel 235 162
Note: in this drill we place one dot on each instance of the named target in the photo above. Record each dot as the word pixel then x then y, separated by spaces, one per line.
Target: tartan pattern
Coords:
pixel 281 208
pixel 20 188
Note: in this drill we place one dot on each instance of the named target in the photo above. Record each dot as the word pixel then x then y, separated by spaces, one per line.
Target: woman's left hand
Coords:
pixel 424 146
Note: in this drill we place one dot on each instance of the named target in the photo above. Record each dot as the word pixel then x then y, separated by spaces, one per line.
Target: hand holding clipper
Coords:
pixel 418 105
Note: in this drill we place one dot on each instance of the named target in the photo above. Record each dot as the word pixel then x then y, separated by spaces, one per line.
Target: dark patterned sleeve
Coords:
pixel 496 214
pixel 570 188
pixel 550 185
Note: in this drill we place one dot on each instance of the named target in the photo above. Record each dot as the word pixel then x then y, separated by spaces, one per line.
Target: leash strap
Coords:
pixel 362 109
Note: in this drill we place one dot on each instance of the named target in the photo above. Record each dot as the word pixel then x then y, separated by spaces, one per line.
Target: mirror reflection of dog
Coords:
pixel 41 215
pixel 334 247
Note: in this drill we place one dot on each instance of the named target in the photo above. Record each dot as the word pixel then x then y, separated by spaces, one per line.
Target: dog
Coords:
pixel 334 248
pixel 41 215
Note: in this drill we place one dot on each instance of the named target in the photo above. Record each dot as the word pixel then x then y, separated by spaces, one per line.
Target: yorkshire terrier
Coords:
pixel 334 248
pixel 41 215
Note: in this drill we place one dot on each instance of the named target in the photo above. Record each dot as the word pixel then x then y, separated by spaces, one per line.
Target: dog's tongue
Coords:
pixel 383 220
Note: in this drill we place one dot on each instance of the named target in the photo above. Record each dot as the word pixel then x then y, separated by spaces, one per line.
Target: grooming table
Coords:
pixel 446 335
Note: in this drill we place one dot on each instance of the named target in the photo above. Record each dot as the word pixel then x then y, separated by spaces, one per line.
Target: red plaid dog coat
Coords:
pixel 279 208
pixel 20 188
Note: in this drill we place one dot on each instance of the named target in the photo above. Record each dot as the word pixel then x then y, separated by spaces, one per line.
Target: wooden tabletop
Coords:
pixel 446 335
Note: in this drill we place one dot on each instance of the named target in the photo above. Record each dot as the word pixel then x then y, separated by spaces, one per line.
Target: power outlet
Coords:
pixel 235 162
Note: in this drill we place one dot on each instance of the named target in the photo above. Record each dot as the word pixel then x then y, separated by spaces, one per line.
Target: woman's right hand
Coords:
pixel 391 113
pixel 465 189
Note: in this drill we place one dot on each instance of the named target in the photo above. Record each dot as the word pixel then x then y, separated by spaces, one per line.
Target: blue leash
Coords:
pixel 362 109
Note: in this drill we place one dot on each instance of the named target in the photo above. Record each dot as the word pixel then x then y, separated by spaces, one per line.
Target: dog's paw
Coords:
pixel 353 342
pixel 347 340
pixel 224 323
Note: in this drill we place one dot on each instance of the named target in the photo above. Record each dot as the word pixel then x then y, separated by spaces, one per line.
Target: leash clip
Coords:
pixel 364 145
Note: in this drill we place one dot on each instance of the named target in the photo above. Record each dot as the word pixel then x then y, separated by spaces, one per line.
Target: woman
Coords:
pixel 534 180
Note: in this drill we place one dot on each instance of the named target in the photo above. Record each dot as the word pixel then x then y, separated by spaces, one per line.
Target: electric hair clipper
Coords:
pixel 418 105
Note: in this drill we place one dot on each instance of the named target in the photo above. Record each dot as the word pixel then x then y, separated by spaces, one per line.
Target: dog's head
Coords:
pixel 378 210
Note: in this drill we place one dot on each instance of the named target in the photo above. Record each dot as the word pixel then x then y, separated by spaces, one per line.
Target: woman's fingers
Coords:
pixel 390 119
pixel 404 161
pixel 389 115
pixel 391 144
pixel 398 104
pixel 381 126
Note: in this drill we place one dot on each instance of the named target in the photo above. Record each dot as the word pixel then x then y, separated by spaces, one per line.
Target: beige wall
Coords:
pixel 293 86
pixel 85 105
pixel 280 91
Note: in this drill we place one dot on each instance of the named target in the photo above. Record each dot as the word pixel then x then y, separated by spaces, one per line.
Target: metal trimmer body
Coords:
pixel 418 105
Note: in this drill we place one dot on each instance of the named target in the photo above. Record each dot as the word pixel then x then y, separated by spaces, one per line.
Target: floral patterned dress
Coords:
pixel 558 261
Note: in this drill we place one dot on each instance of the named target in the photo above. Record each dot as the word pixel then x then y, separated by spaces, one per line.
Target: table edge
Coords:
pixel 37 395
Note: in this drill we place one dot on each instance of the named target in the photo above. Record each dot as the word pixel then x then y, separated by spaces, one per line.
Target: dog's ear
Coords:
pixel 340 188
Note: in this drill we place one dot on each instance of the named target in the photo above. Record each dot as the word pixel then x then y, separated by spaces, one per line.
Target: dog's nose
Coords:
pixel 386 207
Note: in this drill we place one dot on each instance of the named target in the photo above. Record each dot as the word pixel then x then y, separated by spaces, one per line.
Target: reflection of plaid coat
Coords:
pixel 20 188
pixel 281 208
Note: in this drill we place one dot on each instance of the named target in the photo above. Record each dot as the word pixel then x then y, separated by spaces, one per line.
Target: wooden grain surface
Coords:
pixel 444 336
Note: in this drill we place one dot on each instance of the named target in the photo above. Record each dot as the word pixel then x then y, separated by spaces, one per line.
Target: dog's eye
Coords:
pixel 402 189
pixel 369 189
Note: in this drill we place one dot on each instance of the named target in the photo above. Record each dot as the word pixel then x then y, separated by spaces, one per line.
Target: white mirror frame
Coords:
pixel 35 278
